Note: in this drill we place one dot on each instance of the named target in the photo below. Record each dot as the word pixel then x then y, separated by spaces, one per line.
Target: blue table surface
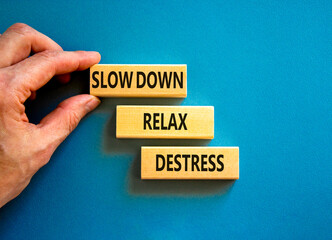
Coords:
pixel 265 66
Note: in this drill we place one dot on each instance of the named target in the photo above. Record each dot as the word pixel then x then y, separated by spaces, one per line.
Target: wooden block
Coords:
pixel 125 80
pixel 180 122
pixel 190 163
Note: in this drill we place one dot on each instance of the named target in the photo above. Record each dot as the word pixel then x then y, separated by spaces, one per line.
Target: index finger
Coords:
pixel 19 40
pixel 34 72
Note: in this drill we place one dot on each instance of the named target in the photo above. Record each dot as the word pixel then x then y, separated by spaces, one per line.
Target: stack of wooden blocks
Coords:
pixel 164 122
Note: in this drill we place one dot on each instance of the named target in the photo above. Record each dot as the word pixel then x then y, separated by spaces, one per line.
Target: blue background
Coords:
pixel 266 67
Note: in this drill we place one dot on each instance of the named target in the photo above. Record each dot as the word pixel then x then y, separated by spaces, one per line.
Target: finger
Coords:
pixel 57 125
pixel 19 40
pixel 34 72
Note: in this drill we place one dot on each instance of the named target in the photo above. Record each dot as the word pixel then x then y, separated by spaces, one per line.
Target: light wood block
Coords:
pixel 190 163
pixel 117 80
pixel 172 122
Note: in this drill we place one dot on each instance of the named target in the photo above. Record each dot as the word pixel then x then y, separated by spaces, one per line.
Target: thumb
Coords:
pixel 57 125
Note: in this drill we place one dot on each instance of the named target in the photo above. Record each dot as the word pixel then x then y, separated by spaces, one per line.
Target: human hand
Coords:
pixel 26 147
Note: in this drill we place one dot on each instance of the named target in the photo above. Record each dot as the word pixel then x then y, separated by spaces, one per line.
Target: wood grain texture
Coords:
pixel 117 80
pixel 172 122
pixel 190 163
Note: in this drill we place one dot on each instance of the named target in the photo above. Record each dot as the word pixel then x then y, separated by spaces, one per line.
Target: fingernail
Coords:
pixel 95 53
pixel 93 103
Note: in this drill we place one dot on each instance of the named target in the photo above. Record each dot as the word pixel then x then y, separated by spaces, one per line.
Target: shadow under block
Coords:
pixel 189 163
pixel 171 122
pixel 123 80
